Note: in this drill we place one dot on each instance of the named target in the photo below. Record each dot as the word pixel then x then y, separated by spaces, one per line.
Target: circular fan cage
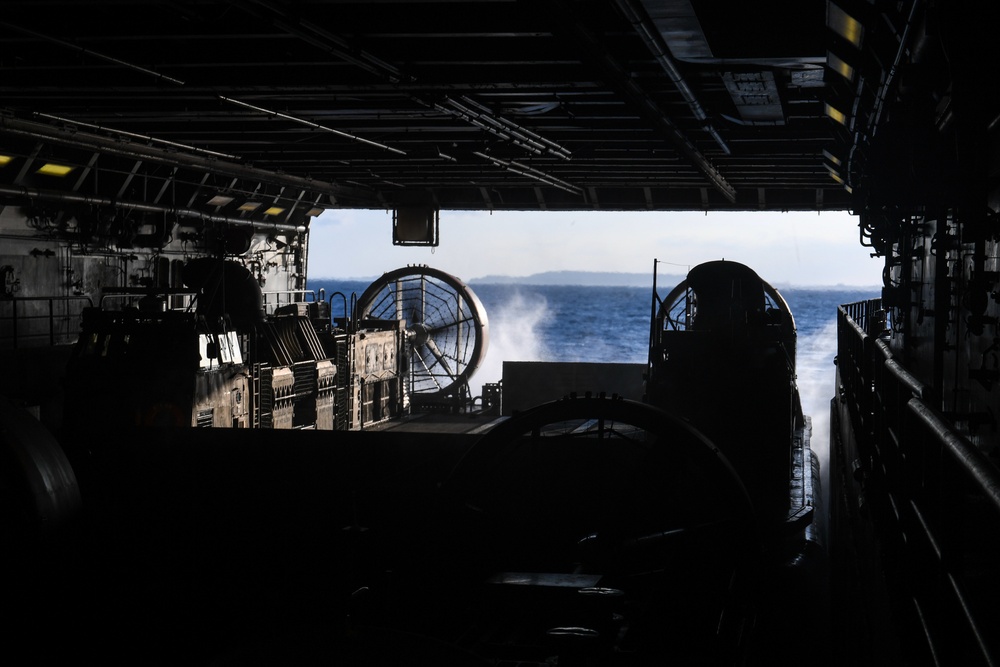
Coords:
pixel 679 309
pixel 446 325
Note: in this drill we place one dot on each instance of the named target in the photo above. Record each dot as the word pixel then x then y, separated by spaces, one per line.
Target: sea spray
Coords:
pixel 816 379
pixel 515 334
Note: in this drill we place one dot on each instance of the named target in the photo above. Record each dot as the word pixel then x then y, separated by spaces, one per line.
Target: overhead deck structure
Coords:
pixel 483 104
pixel 136 135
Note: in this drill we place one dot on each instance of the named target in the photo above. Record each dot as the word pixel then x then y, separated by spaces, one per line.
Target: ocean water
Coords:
pixel 611 324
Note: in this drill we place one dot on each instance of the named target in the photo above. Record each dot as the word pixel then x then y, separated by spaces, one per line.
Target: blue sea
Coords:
pixel 611 324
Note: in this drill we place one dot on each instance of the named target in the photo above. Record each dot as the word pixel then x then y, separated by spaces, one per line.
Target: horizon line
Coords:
pixel 485 280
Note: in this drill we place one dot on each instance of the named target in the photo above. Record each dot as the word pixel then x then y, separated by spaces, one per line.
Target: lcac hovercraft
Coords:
pixel 596 530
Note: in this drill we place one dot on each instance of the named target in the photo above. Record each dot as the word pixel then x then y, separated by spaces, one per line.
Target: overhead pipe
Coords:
pixel 530 172
pixel 640 21
pixel 533 138
pixel 95 54
pixel 309 123
pixel 133 135
pixel 473 118
pixel 476 114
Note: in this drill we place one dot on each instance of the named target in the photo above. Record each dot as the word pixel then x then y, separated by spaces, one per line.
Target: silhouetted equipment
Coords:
pixel 722 353
pixel 415 226
pixel 220 360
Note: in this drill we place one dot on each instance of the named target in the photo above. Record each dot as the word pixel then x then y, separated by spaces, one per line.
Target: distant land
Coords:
pixel 615 279
pixel 618 279
pixel 603 278
pixel 579 278
pixel 584 278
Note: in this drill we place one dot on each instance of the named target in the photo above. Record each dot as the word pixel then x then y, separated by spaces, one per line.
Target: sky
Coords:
pixel 785 249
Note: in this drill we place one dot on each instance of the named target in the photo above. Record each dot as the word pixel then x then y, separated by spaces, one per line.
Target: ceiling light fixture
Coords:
pixel 844 25
pixel 835 114
pixel 835 175
pixel 53 169
pixel 839 65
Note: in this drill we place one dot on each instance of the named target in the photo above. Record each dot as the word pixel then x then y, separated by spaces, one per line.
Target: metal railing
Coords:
pixel 932 496
pixel 168 299
pixel 277 298
pixel 40 321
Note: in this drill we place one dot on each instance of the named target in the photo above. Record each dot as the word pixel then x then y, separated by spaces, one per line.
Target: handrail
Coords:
pixel 921 478
pixel 303 292
pixel 17 336
pixel 344 298
pixel 294 296
pixel 919 389
pixel 973 462
pixel 859 329
pixel 126 294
